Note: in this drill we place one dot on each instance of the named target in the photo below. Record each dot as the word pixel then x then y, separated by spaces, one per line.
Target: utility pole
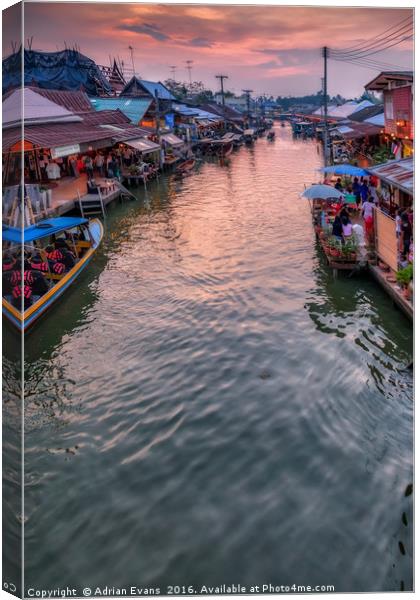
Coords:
pixel 189 67
pixel 222 77
pixel 132 58
pixel 326 151
pixel 248 98
pixel 173 69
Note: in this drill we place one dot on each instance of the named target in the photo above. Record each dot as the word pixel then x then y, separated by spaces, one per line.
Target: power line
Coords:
pixel 370 61
pixel 355 47
pixel 396 39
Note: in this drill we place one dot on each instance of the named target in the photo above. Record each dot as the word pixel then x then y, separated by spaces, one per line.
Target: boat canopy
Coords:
pixel 41 229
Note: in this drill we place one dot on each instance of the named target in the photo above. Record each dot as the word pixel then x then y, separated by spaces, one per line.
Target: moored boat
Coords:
pixel 55 252
pixel 186 166
pixel 249 136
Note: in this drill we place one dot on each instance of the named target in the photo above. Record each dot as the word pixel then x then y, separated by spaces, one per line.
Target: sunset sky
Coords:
pixel 273 50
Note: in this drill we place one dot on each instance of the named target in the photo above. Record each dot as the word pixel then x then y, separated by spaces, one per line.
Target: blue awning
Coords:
pixel 41 229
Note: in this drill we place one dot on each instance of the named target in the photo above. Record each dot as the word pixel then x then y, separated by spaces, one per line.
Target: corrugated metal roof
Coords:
pixel 154 88
pixel 381 81
pixel 345 110
pixel 353 131
pixel 378 120
pixel 36 108
pixel 399 173
pixel 133 108
pixel 157 89
pixel 366 113
pixel 183 109
pixel 61 134
pixel 105 117
pixel 76 102
pixel 172 139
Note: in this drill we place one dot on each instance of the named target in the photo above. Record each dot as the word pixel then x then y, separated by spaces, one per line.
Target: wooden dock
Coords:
pixel 393 290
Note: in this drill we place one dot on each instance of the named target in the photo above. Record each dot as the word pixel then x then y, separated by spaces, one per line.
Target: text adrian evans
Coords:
pixel 175 590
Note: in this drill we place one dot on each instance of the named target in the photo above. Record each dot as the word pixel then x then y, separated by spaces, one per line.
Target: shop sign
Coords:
pixel 65 150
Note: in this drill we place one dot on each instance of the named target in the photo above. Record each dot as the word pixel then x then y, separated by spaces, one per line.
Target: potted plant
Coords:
pixel 404 278
pixel 336 249
pixel 350 250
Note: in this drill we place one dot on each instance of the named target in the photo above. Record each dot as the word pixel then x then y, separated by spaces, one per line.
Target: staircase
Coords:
pixel 91 204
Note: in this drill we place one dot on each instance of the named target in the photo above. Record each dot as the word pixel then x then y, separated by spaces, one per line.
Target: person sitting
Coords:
pixel 338 186
pixel 347 227
pixel 27 289
pixel 37 264
pixel 337 228
pixel 92 187
pixel 9 263
pixel 59 255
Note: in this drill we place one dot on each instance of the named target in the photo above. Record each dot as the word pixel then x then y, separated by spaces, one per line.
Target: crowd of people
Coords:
pixel 364 193
pixel 26 283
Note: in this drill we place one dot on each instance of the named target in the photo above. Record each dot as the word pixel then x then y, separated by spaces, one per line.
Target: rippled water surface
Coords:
pixel 209 406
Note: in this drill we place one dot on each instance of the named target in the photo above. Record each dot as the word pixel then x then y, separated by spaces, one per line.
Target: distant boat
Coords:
pixel 249 136
pixel 82 238
pixel 226 151
pixel 185 167
pixel 271 135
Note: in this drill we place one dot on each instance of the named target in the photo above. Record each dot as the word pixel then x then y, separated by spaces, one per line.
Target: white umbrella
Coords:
pixel 321 192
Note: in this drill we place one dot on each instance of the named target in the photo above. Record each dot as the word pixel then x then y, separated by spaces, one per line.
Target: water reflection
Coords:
pixel 215 371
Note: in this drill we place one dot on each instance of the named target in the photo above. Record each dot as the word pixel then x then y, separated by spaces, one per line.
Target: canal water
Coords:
pixel 209 406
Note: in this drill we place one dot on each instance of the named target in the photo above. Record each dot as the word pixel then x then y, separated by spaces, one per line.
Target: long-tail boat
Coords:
pixel 80 237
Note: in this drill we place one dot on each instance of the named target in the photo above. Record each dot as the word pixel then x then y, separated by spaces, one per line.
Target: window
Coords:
pixel 389 107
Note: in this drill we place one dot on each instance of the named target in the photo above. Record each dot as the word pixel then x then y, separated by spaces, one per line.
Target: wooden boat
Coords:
pixel 227 150
pixel 82 237
pixel 249 136
pixel 186 166
pixel 270 136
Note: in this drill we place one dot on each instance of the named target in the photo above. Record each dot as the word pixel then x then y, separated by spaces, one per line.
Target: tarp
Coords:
pixel 143 144
pixel 41 229
pixel 63 70
pixel 172 139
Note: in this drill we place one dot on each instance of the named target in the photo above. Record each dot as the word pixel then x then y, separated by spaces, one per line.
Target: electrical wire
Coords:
pixel 372 62
pixel 379 37
pixel 373 49
pixel 365 65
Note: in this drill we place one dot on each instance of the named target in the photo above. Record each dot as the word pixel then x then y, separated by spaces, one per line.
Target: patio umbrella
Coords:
pixel 321 192
pixel 345 170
